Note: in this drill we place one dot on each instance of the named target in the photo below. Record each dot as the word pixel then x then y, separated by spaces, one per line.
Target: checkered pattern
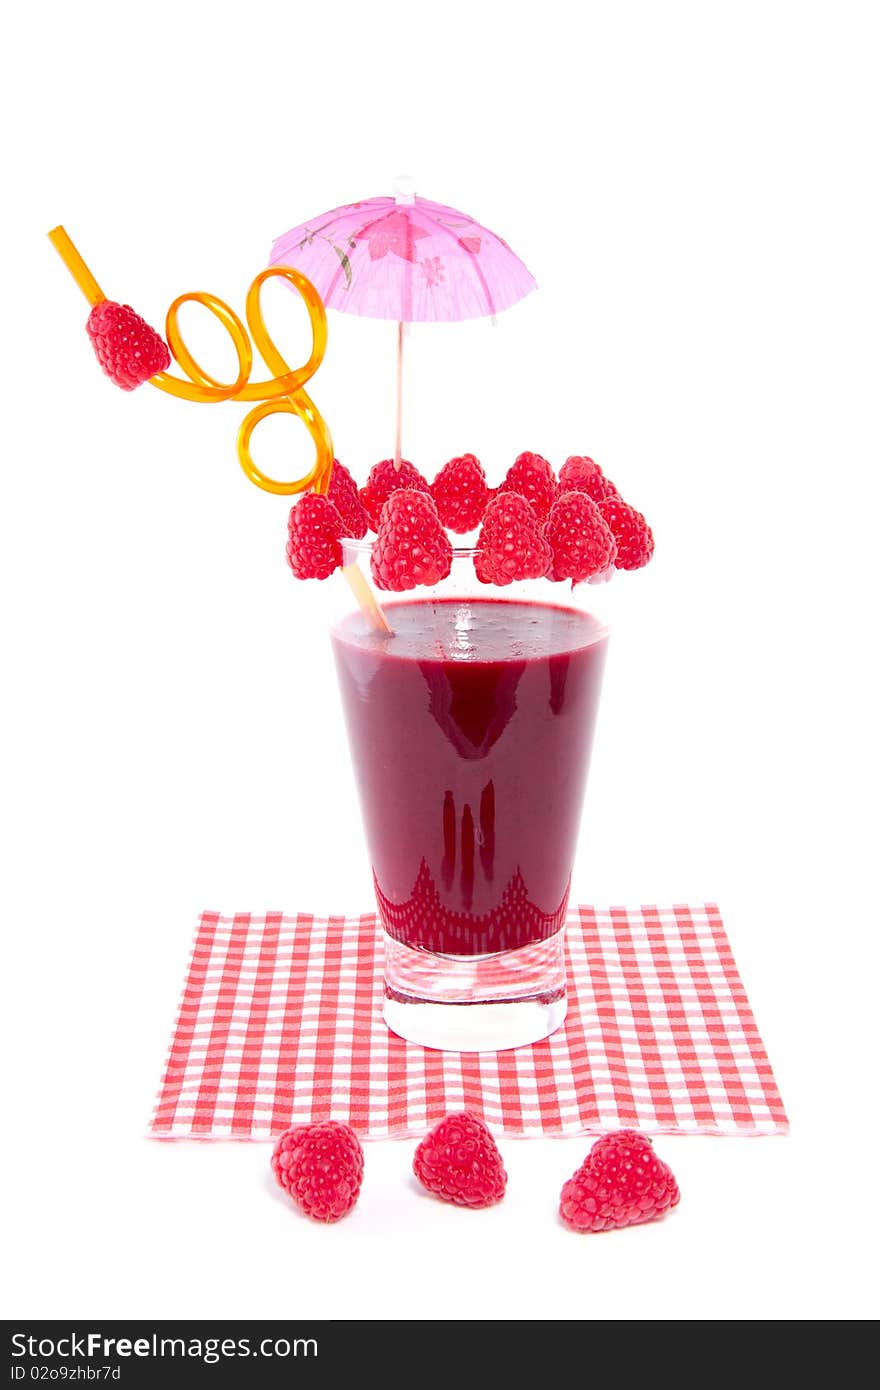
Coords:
pixel 280 1023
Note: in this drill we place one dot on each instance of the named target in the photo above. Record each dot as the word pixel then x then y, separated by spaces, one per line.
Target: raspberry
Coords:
pixel 384 479
pixel 128 349
pixel 510 545
pixel 314 529
pixel 621 1182
pixel 533 478
pixel 411 547
pixel 321 1166
pixel 635 542
pixel 580 539
pixel 343 493
pixel 459 1161
pixel 580 474
pixel 461 493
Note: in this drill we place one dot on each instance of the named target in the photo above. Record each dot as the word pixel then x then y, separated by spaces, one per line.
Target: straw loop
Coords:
pixel 202 387
pixel 283 394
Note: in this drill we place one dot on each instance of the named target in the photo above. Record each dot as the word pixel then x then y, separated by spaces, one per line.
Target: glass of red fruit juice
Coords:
pixel 470 727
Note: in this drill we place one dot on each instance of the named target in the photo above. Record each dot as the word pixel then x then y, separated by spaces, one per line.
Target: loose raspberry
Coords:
pixel 128 349
pixel 321 1166
pixel 510 545
pixel 384 479
pixel 635 541
pixel 532 477
pixel 459 1161
pixel 314 530
pixel 343 493
pixel 411 547
pixel 579 537
pixel 581 474
pixel 461 493
pixel 621 1182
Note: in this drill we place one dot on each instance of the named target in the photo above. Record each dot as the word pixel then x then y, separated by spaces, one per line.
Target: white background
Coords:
pixel 694 187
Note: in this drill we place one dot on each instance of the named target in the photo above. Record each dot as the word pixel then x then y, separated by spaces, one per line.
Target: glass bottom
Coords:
pixel 481 1003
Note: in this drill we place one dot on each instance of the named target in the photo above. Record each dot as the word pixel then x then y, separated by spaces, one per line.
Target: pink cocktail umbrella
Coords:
pixel 405 259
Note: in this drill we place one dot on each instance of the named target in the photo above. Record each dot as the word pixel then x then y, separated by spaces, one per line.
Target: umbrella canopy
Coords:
pixel 406 259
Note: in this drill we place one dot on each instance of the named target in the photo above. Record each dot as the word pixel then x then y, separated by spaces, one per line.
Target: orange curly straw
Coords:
pixel 284 393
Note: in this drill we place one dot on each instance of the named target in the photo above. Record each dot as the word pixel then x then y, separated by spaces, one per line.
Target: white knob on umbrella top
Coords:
pixel 404 189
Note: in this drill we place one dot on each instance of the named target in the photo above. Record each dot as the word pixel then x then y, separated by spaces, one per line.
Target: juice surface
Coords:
pixel 470 730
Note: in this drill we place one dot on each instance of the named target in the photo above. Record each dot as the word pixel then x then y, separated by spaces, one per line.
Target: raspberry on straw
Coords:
pixel 131 353
pixel 314 531
pixel 128 349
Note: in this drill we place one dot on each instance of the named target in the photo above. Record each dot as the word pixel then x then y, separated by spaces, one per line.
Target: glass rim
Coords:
pixel 365 546
pixel 461 583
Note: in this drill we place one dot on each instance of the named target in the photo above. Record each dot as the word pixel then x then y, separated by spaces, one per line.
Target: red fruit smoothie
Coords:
pixel 470 731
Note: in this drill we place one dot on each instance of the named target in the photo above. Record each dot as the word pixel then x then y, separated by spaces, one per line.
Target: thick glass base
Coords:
pixel 473 1027
pixel 475 1003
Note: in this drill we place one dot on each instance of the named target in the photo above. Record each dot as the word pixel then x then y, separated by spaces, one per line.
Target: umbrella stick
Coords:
pixel 398 450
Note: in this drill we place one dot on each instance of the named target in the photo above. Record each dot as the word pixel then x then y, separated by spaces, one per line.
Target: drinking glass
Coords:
pixel 470 727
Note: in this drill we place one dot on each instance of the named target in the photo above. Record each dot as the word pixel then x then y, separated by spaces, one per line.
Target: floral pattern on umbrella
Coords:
pixel 408 261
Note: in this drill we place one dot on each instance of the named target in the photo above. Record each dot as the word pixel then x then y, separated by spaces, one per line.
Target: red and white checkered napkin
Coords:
pixel 280 1023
